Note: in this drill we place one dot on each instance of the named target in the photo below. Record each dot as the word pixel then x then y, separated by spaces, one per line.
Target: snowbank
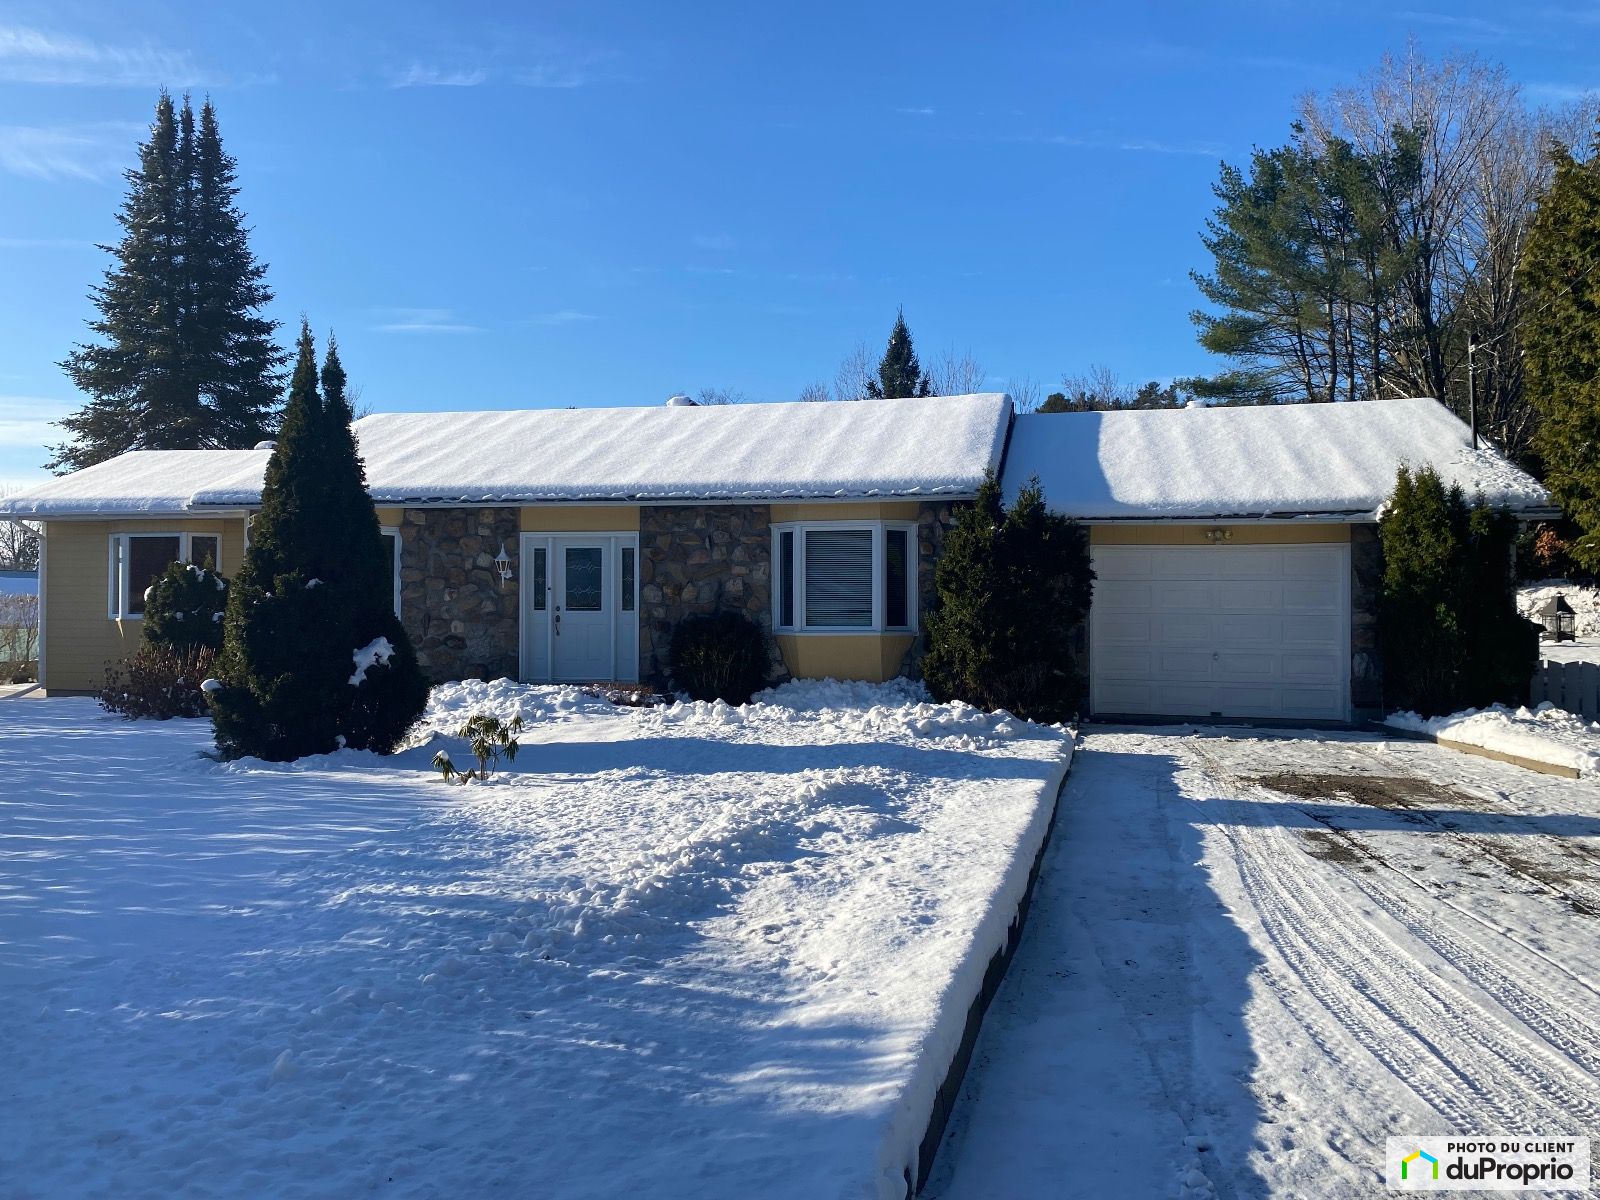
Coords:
pixel 689 951
pixel 1545 734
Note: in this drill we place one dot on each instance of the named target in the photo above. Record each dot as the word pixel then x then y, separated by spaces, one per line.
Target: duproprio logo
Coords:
pixel 1413 1157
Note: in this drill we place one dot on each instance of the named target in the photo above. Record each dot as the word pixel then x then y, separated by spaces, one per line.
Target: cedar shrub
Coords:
pixel 1013 591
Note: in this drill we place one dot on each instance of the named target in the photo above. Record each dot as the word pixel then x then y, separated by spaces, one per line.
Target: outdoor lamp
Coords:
pixel 502 565
pixel 1560 619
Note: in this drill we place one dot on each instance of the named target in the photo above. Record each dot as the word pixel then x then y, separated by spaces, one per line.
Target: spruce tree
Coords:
pixel 899 373
pixel 183 358
pixel 313 655
pixel 1561 340
pixel 1013 592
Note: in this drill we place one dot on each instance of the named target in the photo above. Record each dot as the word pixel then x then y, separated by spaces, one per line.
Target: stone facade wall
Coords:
pixel 701 558
pixel 1366 654
pixel 461 619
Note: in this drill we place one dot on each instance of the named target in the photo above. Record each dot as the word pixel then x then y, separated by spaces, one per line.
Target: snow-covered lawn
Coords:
pixel 690 951
pixel 1252 958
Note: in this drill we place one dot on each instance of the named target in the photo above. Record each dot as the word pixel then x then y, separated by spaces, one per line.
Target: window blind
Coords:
pixel 839 578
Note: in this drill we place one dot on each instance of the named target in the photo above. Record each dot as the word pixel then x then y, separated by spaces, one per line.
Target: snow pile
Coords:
pixel 1218 462
pixel 375 653
pixel 1545 734
pixel 1585 603
pixel 703 951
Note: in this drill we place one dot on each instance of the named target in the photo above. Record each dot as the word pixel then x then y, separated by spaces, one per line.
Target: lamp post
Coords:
pixel 1560 619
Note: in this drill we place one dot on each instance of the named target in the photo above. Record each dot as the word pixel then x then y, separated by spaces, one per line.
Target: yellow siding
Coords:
pixel 391 518
pixel 580 518
pixel 848 510
pixel 869 656
pixel 79 638
pixel 1196 535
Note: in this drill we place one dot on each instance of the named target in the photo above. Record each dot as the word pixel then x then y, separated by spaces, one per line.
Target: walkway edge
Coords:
pixel 949 1091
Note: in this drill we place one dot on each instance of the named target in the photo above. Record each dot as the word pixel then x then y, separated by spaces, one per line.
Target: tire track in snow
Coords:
pixel 1430 1035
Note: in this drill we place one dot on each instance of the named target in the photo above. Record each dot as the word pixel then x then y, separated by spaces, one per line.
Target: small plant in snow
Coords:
pixel 490 738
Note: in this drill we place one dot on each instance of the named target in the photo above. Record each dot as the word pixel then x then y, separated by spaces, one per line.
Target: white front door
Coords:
pixel 1221 631
pixel 581 624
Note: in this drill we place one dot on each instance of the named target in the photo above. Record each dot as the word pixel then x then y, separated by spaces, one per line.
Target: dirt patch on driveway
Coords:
pixel 1375 791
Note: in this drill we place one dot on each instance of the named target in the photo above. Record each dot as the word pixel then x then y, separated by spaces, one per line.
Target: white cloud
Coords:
pixel 34 56
pixel 45 243
pixel 422 320
pixel 27 424
pixel 91 152
pixel 915 112
pixel 417 75
pixel 712 241
pixel 554 74
pixel 1560 93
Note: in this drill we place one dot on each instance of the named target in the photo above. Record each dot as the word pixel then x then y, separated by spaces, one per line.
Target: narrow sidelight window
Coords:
pixel 786 579
pixel 541 580
pixel 896 602
pixel 627 579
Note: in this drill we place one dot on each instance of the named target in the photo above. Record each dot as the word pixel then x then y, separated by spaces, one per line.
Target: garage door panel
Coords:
pixel 1183 628
pixel 1232 631
pixel 1127 627
pixel 1247 629
pixel 1245 667
pixel 1124 594
pixel 1311 668
pixel 1256 595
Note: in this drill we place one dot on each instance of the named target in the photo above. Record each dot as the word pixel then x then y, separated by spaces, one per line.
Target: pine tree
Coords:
pixel 183 357
pixel 313 654
pixel 1013 592
pixel 1561 339
pixel 899 373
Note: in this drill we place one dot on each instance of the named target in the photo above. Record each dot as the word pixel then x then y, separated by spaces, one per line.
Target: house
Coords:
pixel 822 521
pixel 1236 548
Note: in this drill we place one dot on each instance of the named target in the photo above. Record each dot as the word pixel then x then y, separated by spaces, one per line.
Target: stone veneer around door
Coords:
pixel 462 620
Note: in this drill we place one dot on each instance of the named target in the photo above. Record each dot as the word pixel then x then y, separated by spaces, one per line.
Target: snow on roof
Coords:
pixel 1291 459
pixel 142 481
pixel 938 446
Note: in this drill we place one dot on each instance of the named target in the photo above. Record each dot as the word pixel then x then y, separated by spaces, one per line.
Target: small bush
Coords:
pixel 720 656
pixel 490 739
pixel 159 682
pixel 1014 589
pixel 185 606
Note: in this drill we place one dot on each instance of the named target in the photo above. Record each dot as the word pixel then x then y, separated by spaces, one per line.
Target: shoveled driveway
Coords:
pixel 1254 956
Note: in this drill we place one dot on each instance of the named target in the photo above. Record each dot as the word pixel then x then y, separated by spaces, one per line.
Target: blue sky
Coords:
pixel 598 204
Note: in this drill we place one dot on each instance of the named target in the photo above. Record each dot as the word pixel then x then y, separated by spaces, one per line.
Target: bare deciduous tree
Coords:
pixel 19 541
pixel 814 393
pixel 1024 392
pixel 957 373
pixel 720 395
pixel 857 370
pixel 1456 211
pixel 19 637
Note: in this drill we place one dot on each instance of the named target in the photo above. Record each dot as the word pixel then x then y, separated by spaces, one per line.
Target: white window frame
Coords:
pixel 879 531
pixel 399 551
pixel 117 560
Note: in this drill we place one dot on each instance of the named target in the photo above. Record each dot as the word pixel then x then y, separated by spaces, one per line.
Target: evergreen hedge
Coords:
pixel 1013 591
pixel 313 655
pixel 1451 634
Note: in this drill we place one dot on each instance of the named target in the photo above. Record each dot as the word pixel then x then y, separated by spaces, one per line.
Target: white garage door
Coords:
pixel 1221 631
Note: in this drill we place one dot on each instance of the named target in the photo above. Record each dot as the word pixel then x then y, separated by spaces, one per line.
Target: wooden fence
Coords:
pixel 1574 686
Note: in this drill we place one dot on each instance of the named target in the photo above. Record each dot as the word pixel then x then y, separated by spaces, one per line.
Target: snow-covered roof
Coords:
pixel 1290 460
pixel 938 446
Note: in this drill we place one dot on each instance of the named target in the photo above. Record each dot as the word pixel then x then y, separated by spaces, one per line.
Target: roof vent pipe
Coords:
pixel 681 401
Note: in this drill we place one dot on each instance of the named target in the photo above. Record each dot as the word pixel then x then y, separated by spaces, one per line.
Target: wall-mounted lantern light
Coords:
pixel 1217 536
pixel 502 565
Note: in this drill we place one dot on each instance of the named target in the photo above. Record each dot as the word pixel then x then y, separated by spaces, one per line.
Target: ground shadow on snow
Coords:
pixel 1120 1028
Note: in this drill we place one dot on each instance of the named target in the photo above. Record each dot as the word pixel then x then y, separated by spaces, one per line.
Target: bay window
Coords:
pixel 844 577
pixel 136 560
